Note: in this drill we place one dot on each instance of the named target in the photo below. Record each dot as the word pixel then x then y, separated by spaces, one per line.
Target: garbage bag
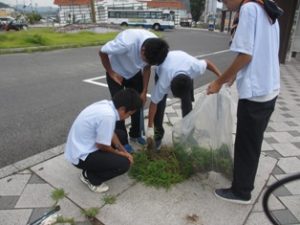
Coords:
pixel 204 136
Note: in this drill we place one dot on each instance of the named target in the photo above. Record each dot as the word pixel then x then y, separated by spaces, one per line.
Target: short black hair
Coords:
pixel 127 98
pixel 155 50
pixel 181 85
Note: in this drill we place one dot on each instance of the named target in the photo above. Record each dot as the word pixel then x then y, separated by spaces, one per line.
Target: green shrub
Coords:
pixel 172 165
pixel 35 39
pixel 158 169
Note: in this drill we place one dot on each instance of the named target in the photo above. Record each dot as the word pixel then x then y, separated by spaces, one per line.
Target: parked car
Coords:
pixel 4 20
pixel 16 25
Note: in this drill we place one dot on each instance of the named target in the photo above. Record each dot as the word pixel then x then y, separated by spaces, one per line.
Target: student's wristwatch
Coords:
pixel 117 147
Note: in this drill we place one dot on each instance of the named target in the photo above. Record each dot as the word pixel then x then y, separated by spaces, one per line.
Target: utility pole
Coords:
pixel 93 12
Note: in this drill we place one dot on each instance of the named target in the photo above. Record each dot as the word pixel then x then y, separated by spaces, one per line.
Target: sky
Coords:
pixel 27 2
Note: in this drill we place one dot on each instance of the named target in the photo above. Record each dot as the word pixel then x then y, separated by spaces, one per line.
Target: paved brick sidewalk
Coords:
pixel 26 186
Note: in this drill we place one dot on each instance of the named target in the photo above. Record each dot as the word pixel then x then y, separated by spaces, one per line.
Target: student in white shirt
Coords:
pixel 127 60
pixel 256 70
pixel 176 73
pixel 95 146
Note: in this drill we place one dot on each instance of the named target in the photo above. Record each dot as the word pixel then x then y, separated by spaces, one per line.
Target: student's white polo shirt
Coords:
pixel 95 124
pixel 256 36
pixel 177 62
pixel 125 51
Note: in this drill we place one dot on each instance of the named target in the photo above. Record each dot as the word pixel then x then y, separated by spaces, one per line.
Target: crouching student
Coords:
pixel 94 145
pixel 176 73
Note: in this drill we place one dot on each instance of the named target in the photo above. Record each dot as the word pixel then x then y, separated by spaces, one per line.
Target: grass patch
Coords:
pixel 39 37
pixel 173 165
pixel 158 169
pixel 109 199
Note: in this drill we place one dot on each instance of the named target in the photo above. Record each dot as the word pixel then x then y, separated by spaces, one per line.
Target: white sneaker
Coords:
pixel 95 188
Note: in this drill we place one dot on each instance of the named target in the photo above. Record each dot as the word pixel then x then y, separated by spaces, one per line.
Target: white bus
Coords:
pixel 147 18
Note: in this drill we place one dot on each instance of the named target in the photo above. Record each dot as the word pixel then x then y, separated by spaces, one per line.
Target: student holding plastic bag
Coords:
pixel 255 39
pixel 176 73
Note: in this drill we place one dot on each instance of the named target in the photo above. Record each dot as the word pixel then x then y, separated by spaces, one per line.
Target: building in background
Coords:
pixel 6 10
pixel 86 11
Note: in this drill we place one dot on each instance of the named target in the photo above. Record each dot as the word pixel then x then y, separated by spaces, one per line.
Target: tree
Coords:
pixel 33 17
pixel 197 7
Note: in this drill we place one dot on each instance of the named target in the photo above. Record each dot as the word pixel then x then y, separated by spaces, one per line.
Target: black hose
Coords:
pixel 269 191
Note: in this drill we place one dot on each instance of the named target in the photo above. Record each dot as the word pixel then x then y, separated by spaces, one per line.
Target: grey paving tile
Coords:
pixel 293 187
pixel 55 172
pixel 284 108
pixel 289 165
pixel 294 133
pixel 270 140
pixel 36 196
pixel 286 149
pixel 285 217
pixel 281 103
pixel 172 115
pixel 297 144
pixel 8 202
pixel 277 171
pixel 291 123
pixel 281 191
pixel 270 129
pixel 36 180
pixel 15 217
pixel 273 203
pixel 176 106
pixel 13 185
pixel 274 154
pixel 287 115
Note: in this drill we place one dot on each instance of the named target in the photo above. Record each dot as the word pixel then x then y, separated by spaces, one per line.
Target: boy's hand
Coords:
pixel 116 77
pixel 150 138
pixel 128 156
pixel 213 87
pixel 143 97
pixel 150 132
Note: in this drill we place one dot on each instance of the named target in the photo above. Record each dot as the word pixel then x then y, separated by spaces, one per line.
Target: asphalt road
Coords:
pixel 42 93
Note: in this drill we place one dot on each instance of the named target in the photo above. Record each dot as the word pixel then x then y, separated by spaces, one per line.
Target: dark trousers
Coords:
pixel 186 107
pixel 135 83
pixel 101 166
pixel 252 120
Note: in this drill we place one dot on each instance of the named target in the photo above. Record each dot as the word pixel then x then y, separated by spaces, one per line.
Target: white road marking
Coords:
pixel 212 53
pixel 94 81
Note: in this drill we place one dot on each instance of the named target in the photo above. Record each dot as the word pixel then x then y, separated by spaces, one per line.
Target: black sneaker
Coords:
pixel 226 194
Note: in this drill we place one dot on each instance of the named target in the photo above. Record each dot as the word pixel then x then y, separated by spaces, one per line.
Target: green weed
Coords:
pixel 90 212
pixel 172 165
pixel 109 199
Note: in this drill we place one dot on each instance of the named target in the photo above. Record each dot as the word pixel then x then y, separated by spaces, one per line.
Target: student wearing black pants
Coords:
pixel 100 166
pixel 255 41
pixel 136 83
pixel 182 87
pixel 95 146
pixel 127 60
pixel 176 73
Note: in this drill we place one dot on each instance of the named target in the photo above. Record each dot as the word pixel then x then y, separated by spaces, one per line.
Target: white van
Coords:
pixel 6 19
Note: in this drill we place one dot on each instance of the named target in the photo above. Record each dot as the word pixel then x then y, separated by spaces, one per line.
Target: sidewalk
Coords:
pixel 26 186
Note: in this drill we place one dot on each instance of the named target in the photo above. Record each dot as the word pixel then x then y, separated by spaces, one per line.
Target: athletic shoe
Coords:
pixel 95 188
pixel 158 144
pixel 128 148
pixel 226 194
pixel 138 140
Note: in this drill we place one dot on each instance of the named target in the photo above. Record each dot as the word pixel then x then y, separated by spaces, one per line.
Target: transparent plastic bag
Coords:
pixel 204 136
